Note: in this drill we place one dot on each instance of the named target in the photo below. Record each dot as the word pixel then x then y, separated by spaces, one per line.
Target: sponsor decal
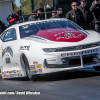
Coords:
pixel 89 51
pixel 63 55
pixel 78 53
pixel 71 36
pixel 7 60
pixel 65 32
pixel 19 74
pixel 14 73
pixel 10 75
pixel 38 66
pixel 33 71
pixel 7 49
pixel 10 72
pixel 7 75
pixel 4 72
pixel 39 70
pixel 25 48
pixel 32 66
pixel 7 71
pixel 35 62
pixel 8 39
pixel 18 71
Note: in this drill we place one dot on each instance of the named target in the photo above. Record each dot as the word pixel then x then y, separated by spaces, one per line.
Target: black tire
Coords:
pixel 26 64
pixel 97 68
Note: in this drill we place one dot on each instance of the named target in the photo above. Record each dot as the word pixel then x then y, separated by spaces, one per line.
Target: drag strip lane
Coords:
pixel 73 85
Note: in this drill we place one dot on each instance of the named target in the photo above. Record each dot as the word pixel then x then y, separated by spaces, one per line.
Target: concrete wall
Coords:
pixel 5 10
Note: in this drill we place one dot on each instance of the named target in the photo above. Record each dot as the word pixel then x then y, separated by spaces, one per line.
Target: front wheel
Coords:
pixel 97 68
pixel 26 65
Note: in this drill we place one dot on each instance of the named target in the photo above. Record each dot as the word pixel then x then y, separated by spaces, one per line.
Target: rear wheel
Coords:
pixel 24 61
pixel 97 68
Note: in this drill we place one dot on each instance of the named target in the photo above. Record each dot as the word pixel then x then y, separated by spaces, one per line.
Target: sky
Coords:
pixel 17 2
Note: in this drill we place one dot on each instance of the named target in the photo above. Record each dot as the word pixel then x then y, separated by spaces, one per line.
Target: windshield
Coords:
pixel 33 28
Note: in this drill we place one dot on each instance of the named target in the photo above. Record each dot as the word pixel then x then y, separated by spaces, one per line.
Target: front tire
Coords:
pixel 26 65
pixel 97 68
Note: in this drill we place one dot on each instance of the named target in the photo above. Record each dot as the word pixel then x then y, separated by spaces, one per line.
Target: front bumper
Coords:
pixel 68 60
pixel 73 59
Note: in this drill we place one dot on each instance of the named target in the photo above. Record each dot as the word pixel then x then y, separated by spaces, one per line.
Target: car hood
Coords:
pixel 53 38
pixel 62 35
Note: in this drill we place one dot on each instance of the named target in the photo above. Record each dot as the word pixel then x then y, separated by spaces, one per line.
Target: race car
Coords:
pixel 39 47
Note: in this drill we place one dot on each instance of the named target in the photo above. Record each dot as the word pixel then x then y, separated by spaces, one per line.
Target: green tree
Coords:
pixel 27 7
pixel 40 3
pixel 15 8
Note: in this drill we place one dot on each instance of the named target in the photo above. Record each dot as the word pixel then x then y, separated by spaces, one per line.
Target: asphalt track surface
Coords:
pixel 74 85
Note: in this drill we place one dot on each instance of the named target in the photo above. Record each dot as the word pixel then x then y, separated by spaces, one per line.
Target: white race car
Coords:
pixel 39 47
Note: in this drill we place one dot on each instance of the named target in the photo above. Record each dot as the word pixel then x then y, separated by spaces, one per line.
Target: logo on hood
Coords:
pixel 71 36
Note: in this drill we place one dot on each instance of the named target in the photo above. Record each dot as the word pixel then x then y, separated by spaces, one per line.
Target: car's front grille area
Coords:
pixel 67 62
pixel 90 59
pixel 77 47
pixel 76 61
pixel 71 61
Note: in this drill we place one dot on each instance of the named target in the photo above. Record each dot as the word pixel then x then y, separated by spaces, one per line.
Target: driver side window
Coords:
pixel 9 35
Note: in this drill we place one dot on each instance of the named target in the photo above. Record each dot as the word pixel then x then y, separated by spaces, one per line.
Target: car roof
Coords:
pixel 29 22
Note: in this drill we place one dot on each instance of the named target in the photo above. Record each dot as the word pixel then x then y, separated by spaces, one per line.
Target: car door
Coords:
pixel 0 53
pixel 8 43
pixel 1 47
